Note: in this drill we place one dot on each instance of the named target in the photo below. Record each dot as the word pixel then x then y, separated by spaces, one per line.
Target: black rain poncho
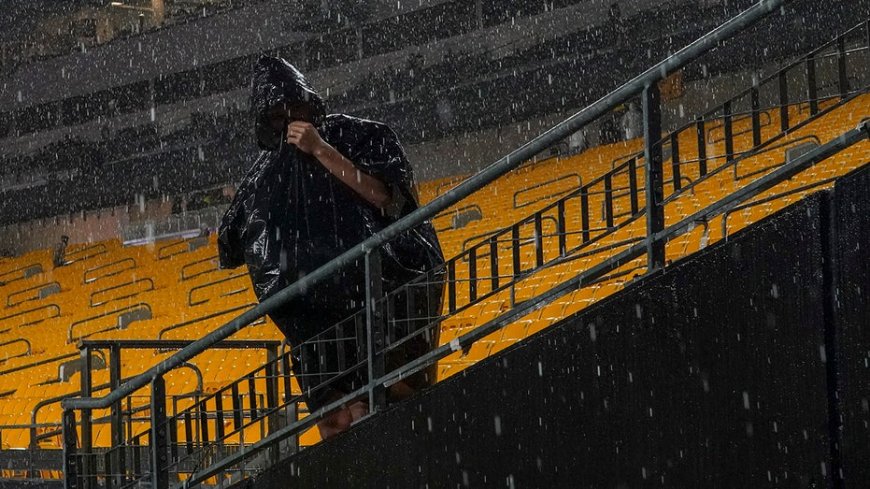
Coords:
pixel 290 216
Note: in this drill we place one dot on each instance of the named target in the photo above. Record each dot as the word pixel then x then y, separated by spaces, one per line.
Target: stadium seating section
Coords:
pixel 177 282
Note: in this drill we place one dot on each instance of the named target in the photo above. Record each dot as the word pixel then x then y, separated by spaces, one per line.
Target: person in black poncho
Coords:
pixel 322 184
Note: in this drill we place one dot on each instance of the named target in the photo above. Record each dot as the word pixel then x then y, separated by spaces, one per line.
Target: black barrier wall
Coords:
pixel 712 374
pixel 851 306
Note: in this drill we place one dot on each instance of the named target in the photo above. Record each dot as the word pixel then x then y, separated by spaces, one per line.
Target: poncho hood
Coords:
pixel 278 83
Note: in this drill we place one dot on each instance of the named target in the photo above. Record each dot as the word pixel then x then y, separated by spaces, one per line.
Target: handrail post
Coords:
pixel 783 102
pixel 117 421
pixel 756 115
pixel 70 458
pixel 812 87
pixel 273 421
pixel 159 441
pixel 675 163
pixel 89 467
pixel 843 79
pixel 375 329
pixel 655 213
pixel 728 126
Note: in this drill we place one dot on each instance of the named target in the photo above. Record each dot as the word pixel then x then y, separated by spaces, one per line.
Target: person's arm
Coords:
pixel 305 137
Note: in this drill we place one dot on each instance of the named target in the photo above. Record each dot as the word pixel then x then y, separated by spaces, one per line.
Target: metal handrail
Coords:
pixel 20 292
pixel 525 308
pixel 763 148
pixel 141 305
pixel 114 287
pixel 86 280
pixel 713 114
pixel 797 62
pixel 784 144
pixel 467 187
pixel 772 198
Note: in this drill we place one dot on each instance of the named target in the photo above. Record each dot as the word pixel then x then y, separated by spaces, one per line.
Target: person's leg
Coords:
pixel 340 420
pixel 421 321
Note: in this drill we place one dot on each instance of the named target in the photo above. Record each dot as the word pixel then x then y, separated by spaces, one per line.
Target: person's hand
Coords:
pixel 304 136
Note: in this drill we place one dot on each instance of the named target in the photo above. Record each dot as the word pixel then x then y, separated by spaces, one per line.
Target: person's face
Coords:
pixel 280 116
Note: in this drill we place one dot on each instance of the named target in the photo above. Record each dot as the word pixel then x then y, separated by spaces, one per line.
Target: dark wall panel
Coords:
pixel 852 281
pixel 709 375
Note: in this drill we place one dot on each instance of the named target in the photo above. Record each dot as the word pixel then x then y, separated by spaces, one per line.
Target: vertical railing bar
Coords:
pixel 88 462
pixel 70 457
pixel 655 216
pixel 117 423
pixel 561 227
pixel 188 431
pixel 219 417
pixel 632 183
pixel 375 328
pixel 203 424
pixel 158 442
pixel 286 374
pixel 252 395
pixel 608 200
pixel 783 102
pixel 173 438
pixel 137 457
pixel 584 213
pixel 451 286
pixel 841 67
pixel 756 114
pixel 237 406
pixel 472 274
pixel 728 122
pixel 515 250
pixel 675 161
pixel 539 240
pixel 812 88
pixel 702 146
pixel 272 397
pixel 493 261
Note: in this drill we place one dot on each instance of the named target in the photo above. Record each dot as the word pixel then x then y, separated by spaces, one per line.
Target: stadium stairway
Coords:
pixel 175 291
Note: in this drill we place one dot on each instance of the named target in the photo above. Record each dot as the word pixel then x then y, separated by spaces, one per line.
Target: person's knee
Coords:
pixel 335 423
